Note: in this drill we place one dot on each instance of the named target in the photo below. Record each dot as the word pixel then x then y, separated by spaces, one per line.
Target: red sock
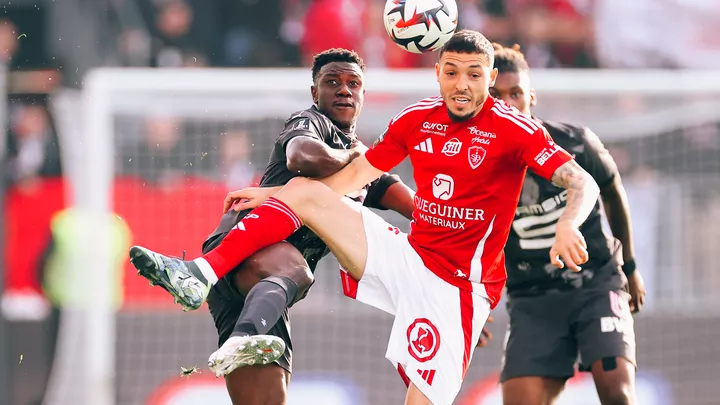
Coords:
pixel 270 223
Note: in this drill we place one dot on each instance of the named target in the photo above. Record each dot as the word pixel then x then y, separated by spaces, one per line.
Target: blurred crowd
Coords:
pixel 553 33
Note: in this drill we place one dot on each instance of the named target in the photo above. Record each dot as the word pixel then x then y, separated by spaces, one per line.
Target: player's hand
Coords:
pixel 485 335
pixel 570 248
pixel 636 286
pixel 247 198
pixel 358 147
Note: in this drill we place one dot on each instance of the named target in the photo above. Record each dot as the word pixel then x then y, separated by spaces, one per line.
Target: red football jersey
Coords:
pixel 469 176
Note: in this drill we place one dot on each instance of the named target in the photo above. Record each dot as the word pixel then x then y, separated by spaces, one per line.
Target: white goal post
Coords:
pixel 258 93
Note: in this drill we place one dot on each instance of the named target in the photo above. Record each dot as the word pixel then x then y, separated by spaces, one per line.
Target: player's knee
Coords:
pixel 290 287
pixel 303 279
pixel 531 390
pixel 617 394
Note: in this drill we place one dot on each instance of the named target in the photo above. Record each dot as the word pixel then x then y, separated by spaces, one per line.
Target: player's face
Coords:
pixel 464 80
pixel 514 88
pixel 339 93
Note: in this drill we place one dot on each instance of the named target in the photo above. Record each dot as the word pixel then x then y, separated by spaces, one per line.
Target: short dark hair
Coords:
pixel 468 41
pixel 335 55
pixel 510 60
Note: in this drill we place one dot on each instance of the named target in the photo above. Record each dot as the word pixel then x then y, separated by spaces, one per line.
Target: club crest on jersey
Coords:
pixel 476 155
pixel 452 147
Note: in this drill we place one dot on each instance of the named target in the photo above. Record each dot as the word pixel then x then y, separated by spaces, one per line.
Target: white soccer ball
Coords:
pixel 420 25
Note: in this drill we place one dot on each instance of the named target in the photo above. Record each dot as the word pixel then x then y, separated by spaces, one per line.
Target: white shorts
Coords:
pixel 437 325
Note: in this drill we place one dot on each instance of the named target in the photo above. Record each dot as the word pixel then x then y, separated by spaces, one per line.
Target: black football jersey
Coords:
pixel 313 124
pixel 527 252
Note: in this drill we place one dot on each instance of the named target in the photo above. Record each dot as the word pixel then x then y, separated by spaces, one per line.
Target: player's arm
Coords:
pixel 550 161
pixel 597 161
pixel 399 198
pixel 390 193
pixel 311 157
pixel 617 211
pixel 387 152
pixel 352 177
pixel 583 193
pixel 600 164
pixel 570 248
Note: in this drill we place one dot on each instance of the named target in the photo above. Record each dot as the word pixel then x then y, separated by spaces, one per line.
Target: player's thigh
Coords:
pixel 258 385
pixel 531 390
pixel 434 334
pixel 606 338
pixel 337 223
pixel 416 397
pixel 614 380
pixel 539 341
pixel 281 259
pixel 604 328
pixel 392 266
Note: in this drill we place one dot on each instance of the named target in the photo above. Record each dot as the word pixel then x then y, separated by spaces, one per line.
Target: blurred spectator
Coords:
pixel 184 32
pixel 235 168
pixel 490 17
pixel 8 40
pixel 33 149
pixel 650 34
pixel 260 32
pixel 552 33
pixel 332 24
pixel 160 160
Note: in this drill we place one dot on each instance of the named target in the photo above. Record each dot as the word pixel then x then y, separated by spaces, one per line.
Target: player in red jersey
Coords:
pixel 470 153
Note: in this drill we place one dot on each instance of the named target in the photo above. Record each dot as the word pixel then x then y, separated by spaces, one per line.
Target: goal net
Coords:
pixel 159 149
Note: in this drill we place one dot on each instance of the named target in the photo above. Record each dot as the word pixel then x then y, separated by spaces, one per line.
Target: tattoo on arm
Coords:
pixel 582 192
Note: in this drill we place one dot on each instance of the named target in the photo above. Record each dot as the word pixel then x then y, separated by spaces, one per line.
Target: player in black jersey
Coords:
pixel 557 317
pixel 253 299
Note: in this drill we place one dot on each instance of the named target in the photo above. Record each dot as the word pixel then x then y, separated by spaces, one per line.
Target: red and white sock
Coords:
pixel 270 223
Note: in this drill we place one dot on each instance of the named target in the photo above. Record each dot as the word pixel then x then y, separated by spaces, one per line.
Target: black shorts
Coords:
pixel 549 334
pixel 226 303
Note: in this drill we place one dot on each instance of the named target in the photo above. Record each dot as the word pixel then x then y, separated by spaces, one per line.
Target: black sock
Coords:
pixel 264 305
pixel 195 270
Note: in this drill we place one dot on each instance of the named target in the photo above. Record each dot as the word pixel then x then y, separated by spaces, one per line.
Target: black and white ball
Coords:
pixel 420 25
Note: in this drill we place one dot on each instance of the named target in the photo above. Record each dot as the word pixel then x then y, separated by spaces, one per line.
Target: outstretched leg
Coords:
pixel 302 200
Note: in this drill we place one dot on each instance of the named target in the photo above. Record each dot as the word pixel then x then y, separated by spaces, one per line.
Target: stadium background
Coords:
pixel 176 153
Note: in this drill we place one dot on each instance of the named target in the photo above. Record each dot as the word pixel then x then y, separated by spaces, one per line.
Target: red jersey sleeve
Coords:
pixel 542 155
pixel 390 148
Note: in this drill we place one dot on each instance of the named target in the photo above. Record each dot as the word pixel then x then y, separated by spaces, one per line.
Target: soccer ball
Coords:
pixel 420 25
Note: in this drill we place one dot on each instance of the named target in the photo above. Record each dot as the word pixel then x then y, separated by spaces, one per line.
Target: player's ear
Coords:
pixel 533 98
pixel 437 71
pixel 314 93
pixel 493 77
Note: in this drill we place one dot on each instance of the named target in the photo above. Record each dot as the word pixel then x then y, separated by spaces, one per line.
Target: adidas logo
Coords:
pixel 424 146
pixel 427 375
